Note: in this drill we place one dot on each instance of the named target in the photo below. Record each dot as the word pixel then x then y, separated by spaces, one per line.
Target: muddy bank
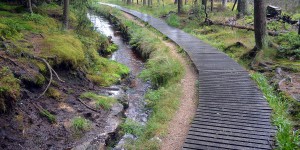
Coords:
pixel 24 127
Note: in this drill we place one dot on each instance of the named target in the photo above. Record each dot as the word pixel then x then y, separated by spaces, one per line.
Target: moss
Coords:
pixel 68 49
pixel 42 67
pixel 101 101
pixel 9 88
pixel 106 72
pixel 40 80
pixel 54 93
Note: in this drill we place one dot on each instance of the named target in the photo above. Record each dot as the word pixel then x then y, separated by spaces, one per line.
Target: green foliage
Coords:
pixel 36 18
pixel 80 124
pixel 111 48
pixel 51 118
pixel 198 12
pixel 286 137
pixel 9 88
pixel 132 127
pixel 101 101
pixel 161 71
pixel 289 45
pixel 173 20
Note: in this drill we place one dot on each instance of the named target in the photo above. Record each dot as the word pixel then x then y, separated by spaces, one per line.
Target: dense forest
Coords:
pixel 66 83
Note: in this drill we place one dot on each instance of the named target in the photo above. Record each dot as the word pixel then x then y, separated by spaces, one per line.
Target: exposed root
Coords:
pixel 87 106
pixel 50 81
pixel 56 75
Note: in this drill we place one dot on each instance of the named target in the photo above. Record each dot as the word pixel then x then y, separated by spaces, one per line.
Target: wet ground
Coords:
pixel 135 88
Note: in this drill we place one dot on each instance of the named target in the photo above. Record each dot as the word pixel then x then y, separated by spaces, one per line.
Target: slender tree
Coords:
pixel 242 8
pixel 224 4
pixel 260 24
pixel 128 2
pixel 66 15
pixel 211 5
pixel 179 6
pixel 30 6
pixel 204 3
pixel 144 2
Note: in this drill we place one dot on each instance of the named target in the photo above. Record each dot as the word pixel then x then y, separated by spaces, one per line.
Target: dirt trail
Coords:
pixel 179 125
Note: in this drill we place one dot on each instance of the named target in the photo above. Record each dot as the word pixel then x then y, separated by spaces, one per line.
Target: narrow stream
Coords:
pixel 135 88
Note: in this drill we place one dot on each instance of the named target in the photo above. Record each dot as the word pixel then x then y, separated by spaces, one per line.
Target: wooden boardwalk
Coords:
pixel 232 112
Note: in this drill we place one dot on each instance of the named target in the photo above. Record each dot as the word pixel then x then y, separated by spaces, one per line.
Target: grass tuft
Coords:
pixel 51 118
pixel 101 101
pixel 80 124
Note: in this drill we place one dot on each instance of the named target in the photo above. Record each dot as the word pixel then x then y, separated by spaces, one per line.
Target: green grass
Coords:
pixel 287 138
pixel 173 20
pixel 132 127
pixel 80 124
pixel 101 101
pixel 50 117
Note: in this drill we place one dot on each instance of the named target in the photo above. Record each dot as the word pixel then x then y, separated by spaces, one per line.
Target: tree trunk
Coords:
pixel 211 5
pixel 242 8
pixel 30 6
pixel 144 2
pixel 204 3
pixel 260 24
pixel 224 4
pixel 128 2
pixel 66 15
pixel 137 1
pixel 149 3
pixel 185 2
pixel 179 6
pixel 175 1
pixel 299 27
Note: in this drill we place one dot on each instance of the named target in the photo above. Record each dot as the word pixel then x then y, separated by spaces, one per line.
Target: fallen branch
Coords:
pixel 271 33
pixel 93 109
pixel 50 81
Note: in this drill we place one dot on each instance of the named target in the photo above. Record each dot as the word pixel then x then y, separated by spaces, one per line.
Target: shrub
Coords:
pixel 289 45
pixel 173 20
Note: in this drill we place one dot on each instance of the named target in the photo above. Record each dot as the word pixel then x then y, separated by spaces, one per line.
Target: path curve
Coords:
pixel 232 112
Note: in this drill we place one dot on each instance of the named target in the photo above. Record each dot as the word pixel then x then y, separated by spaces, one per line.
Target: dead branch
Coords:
pixel 271 33
pixel 50 80
pixel 87 106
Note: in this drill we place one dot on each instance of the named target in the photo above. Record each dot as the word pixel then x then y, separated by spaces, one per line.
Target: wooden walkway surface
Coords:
pixel 232 112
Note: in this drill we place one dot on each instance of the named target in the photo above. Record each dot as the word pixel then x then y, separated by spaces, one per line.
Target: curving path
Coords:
pixel 232 112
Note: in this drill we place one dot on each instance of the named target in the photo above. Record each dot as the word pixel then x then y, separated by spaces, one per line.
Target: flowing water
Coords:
pixel 135 89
